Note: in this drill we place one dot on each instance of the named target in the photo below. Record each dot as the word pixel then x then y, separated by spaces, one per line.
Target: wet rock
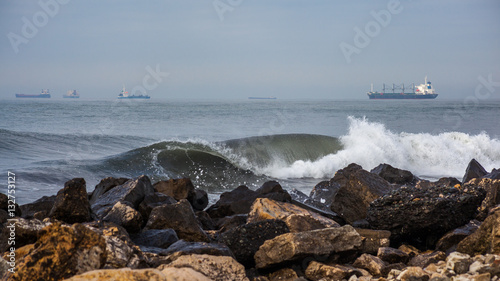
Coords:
pixel 373 264
pixel 72 203
pixel 217 268
pixel 62 252
pixel 318 271
pixel 494 175
pixel 38 209
pixel 26 232
pixel 237 201
pixel 372 240
pixel 486 239
pixel 200 200
pixel 325 191
pixel 123 214
pixel 245 240
pixel 420 216
pixel 177 188
pixel 284 274
pixel 391 255
pixel 151 201
pixel 133 191
pixel 205 220
pixel 448 243
pixel 492 198
pixel 274 191
pixel 358 188
pixel 159 238
pixel 458 262
pixel 230 222
pixel 423 260
pixel 296 218
pixel 302 200
pixel 474 170
pixel 104 186
pixel 442 182
pixel 291 246
pixel 181 218
pixel 394 175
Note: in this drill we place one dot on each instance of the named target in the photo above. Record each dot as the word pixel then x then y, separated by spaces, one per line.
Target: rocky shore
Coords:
pixel 383 224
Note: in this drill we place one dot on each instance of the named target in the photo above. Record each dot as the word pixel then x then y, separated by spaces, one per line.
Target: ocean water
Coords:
pixel 223 144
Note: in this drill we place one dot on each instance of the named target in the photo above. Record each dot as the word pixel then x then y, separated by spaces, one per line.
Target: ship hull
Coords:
pixel 71 97
pixel 398 96
pixel 41 96
pixel 134 98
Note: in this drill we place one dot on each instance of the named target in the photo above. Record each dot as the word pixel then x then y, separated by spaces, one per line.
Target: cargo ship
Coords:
pixel 71 94
pixel 45 95
pixel 124 95
pixel 422 91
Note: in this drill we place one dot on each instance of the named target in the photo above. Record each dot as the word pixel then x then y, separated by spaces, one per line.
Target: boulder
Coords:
pixel 158 238
pixel 61 252
pixel 199 201
pixel 151 201
pixel 325 191
pixel 124 215
pixel 217 268
pixel 177 188
pixel 181 218
pixel 474 170
pixel 4 205
pixel 133 191
pixel 358 188
pixel 492 198
pixel 319 271
pixel 27 232
pixel 458 262
pixel 373 264
pixel 485 240
pixel 245 240
pixel 304 201
pixel 284 274
pixel 391 255
pixel 494 175
pixel 394 175
pixel 230 222
pixel 150 274
pixel 205 220
pixel 104 186
pixel 274 191
pixel 72 203
pixel 38 209
pixel 296 218
pixel 292 246
pixel 372 240
pixel 424 259
pixel 413 273
pixel 237 201
pixel 420 216
pixel 448 243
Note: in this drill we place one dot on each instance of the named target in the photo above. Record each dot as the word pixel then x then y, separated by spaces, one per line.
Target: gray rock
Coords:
pixel 474 170
pixel 72 203
pixel 104 186
pixel 391 255
pixel 373 264
pixel 394 175
pixel 38 209
pixel 153 200
pixel 423 260
pixel 159 238
pixel 124 215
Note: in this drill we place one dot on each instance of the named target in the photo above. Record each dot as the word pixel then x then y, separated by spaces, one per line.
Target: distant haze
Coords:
pixel 232 49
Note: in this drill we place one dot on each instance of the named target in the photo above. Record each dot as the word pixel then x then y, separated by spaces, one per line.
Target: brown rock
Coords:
pixel 291 246
pixel 62 252
pixel 104 186
pixel 72 203
pixel 123 214
pixel 177 188
pixel 150 274
pixel 284 274
pixel 38 209
pixel 492 198
pixel 391 255
pixel 394 175
pixel 373 240
pixel 448 243
pixel 318 271
pixel 27 231
pixel 425 259
pixel 373 264
pixel 485 240
pixel 237 201
pixel 413 273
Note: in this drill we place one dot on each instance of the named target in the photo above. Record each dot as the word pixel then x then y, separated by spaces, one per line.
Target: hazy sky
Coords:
pixel 239 48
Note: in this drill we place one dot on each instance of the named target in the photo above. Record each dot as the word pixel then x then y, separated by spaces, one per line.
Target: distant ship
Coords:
pixel 124 95
pixel 45 94
pixel 71 94
pixel 422 91
pixel 261 98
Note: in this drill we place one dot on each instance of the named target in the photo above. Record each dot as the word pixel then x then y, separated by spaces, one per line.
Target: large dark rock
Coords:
pixel 442 182
pixel 159 238
pixel 474 170
pixel 492 199
pixel 181 218
pixel 26 232
pixel 485 240
pixel 273 190
pixel 358 188
pixel 177 188
pixel 392 255
pixel 38 209
pixel 227 223
pixel 245 240
pixel 104 186
pixel 72 203
pixel 153 200
pixel 325 191
pixel 124 215
pixel 315 205
pixel 448 243
pixel 237 201
pixel 394 175
pixel 133 191
pixel 420 216
pixel 494 175
pixel 4 205
pixel 199 201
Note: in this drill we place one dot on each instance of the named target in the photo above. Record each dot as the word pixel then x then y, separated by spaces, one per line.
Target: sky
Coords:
pixel 233 49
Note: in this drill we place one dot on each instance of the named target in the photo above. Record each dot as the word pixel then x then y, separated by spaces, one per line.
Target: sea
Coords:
pixel 222 144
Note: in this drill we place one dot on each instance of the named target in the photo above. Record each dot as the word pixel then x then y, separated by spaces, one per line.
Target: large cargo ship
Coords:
pixel 124 95
pixel 422 91
pixel 71 94
pixel 45 94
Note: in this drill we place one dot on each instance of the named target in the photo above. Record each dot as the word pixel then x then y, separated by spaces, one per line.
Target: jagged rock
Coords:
pixel 181 218
pixel 217 268
pixel 296 218
pixel 474 170
pixel 231 222
pixel 72 203
pixel 274 191
pixel 291 246
pixel 393 266
pixel 325 191
pixel 413 273
pixel 373 264
pixel 394 175
pixel 62 252
pixel 4 205
pixel 26 232
pixel 494 175
pixel 448 243
pixel 123 214
pixel 177 188
pixel 133 191
pixel 492 198
pixel 485 240
pixel 151 201
pixel 205 220
pixel 410 250
pixel 423 260
pixel 150 274
pixel 159 238
pixel 284 274
pixel 199 201
pixel 318 271
pixel 458 262
pixel 302 200
pixel 358 188
pixel 4 216
pixel 391 255
pixel 104 186
pixel 237 201
pixel 373 240
pixel 442 182
pixel 38 209
pixel 184 274
pixel 245 240
pixel 421 215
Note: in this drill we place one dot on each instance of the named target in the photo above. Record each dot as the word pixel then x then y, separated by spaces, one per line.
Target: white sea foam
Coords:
pixel 369 144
